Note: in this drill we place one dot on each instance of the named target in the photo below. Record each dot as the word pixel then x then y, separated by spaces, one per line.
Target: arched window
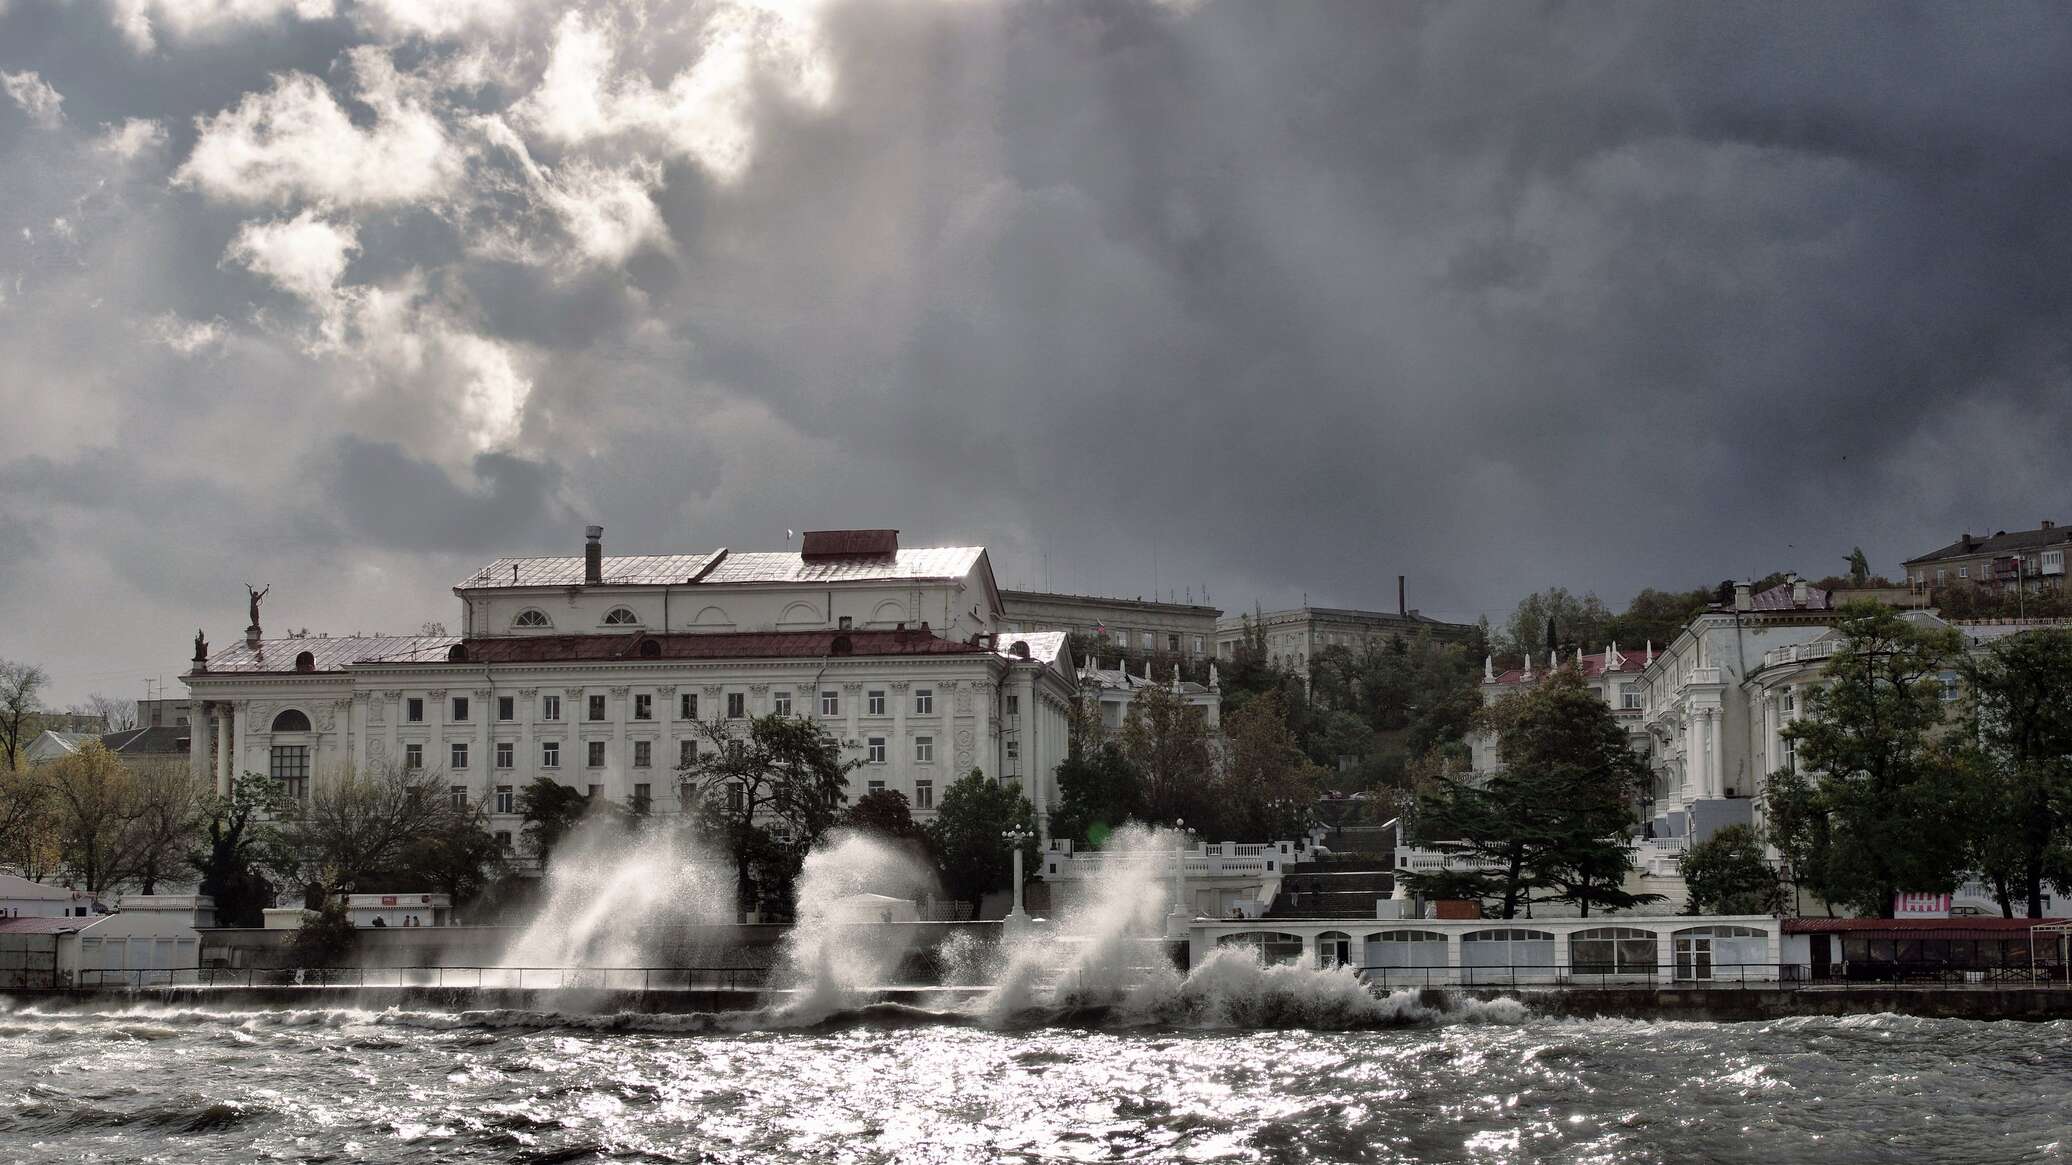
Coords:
pixel 1612 950
pixel 532 617
pixel 305 661
pixel 291 720
pixel 620 617
pixel 1334 949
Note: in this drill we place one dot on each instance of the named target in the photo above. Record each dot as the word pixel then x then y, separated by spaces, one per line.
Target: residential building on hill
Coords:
pixel 1613 674
pixel 1112 689
pixel 1139 628
pixel 1295 637
pixel 597 671
pixel 2033 559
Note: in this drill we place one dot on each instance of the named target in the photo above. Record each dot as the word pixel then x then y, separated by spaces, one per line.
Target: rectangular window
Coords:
pixel 643 754
pixel 413 710
pixel 413 757
pixel 596 758
pixel 459 755
pixel 1014 704
pixel 830 703
pixel 734 796
pixel 924 794
pixel 460 709
pixel 1173 644
pixel 780 703
pixel 550 754
pixel 1014 751
pixel 550 707
pixel 874 703
pixel 874 786
pixel 506 799
pixel 643 798
pixel 1629 696
pixel 874 750
pixel 1122 639
pixel 503 840
pixel 458 796
pixel 643 707
pixel 1947 682
pixel 507 708
pixel 1146 640
pixel 924 749
pixel 737 705
pixel 289 764
pixel 1964 572
pixel 596 708
pixel 595 792
pixel 1197 645
pixel 686 752
pixel 687 707
pixel 506 754
pixel 1942 575
pixel 924 701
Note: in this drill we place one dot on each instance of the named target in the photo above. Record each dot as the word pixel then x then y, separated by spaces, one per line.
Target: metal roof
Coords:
pixel 46 925
pixel 1972 927
pixel 710 645
pixel 567 571
pixel 331 654
pixel 724 567
pixel 2005 542
pixel 1044 646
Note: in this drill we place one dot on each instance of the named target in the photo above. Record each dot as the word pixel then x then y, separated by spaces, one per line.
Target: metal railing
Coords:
pixel 476 977
pixel 1785 976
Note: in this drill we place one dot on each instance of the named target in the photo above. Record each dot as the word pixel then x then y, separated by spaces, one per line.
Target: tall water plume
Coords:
pixel 607 889
pixel 1107 947
pixel 840 949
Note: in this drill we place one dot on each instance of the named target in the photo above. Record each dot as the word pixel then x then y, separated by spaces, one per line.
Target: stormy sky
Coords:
pixel 1276 299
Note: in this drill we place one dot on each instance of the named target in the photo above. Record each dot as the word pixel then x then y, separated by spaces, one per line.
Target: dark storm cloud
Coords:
pixel 1277 299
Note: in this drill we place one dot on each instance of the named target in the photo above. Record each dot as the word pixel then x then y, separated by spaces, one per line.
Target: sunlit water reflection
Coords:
pixel 165 1085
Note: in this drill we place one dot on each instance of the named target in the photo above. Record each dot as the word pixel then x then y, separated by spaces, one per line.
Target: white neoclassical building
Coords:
pixel 596 671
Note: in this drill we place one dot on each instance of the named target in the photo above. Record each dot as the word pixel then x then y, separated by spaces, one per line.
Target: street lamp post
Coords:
pixel 1015 839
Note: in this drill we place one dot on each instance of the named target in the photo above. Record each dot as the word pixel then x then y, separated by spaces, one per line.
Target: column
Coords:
pixel 1713 786
pixel 198 736
pixel 1025 738
pixel 485 705
pixel 435 725
pixel 225 762
pixel 392 712
pixel 1453 970
pixel 618 755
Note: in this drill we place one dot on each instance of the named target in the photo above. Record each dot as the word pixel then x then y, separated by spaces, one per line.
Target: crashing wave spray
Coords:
pixel 840 949
pixel 606 888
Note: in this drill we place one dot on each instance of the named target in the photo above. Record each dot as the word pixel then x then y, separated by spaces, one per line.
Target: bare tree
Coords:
pixel 21 684
pixel 169 804
pixel 363 826
pixel 116 714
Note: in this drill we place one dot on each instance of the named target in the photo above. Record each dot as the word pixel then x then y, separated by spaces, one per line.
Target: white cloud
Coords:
pixel 184 336
pixel 305 255
pixel 141 20
pixel 133 137
pixel 609 214
pixel 438 19
pixel 705 113
pixel 296 141
pixel 37 99
pixel 403 339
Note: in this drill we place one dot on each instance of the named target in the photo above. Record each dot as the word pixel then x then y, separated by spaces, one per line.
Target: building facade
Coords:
pixel 605 674
pixel 1613 674
pixel 1295 637
pixel 1112 689
pixel 2031 559
pixel 1129 627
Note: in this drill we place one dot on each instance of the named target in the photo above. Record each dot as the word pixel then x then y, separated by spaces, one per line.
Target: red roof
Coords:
pixel 1985 927
pixel 709 645
pixel 848 543
pixel 1593 665
pixel 45 925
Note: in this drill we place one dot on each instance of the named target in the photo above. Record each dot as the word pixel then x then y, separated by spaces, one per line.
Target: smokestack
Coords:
pixel 1744 596
pixel 593 554
pixel 1402 603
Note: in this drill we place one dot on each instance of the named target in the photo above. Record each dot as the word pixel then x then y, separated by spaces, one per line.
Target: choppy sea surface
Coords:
pixel 1492 1084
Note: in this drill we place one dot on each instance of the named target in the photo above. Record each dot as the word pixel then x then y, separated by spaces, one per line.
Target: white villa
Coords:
pixel 595 670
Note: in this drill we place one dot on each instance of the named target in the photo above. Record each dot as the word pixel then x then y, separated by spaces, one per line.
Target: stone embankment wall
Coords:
pixel 1732 1004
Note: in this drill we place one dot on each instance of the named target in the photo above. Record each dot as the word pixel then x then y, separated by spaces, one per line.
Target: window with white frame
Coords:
pixel 873 787
pixel 506 799
pixel 458 795
pixel 686 752
pixel 289 764
pixel 413 757
pixel 643 707
pixel 737 705
pixel 780 703
pixel 643 754
pixel 643 798
pixel 413 710
pixel 1964 571
pixel 1014 704
pixel 532 618
pixel 460 709
pixel 596 750
pixel 620 617
pixel 924 750
pixel 874 702
pixel 550 754
pixel 550 707
pixel 830 704
pixel 687 706
pixel 924 701
pixel 507 708
pixel 596 708
pixel 506 754
pixel 874 750
pixel 924 794
pixel 458 754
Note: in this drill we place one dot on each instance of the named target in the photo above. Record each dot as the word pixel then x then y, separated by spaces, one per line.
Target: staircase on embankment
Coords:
pixel 1340 889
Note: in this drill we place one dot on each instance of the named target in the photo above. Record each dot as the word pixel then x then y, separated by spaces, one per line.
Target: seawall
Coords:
pixel 1740 1004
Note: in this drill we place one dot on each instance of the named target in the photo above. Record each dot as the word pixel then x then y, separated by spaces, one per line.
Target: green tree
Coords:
pixel 326 936
pixel 1098 790
pixel 551 811
pixel 1167 742
pixel 361 828
pixel 767 794
pixel 1268 788
pixel 1552 818
pixel 1727 874
pixel 96 807
pixel 1801 827
pixel 2020 820
pixel 239 844
pixel 1869 736
pixel 881 813
pixel 1555 620
pixel 974 857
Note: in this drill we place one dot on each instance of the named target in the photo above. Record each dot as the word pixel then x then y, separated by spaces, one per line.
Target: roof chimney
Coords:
pixel 1744 596
pixel 1798 591
pixel 2049 525
pixel 593 554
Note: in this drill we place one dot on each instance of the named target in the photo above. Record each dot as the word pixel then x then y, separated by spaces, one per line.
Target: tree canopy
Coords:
pixel 966 834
